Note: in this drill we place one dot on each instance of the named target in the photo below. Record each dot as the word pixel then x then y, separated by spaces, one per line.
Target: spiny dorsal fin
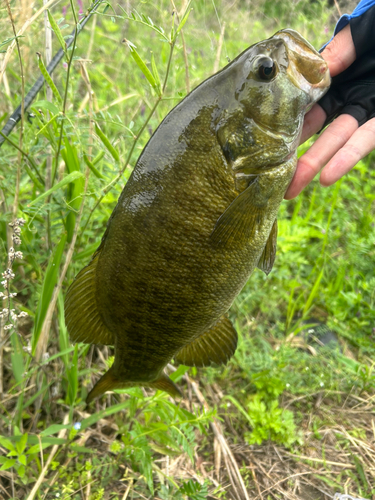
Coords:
pixel 241 218
pixel 269 253
pixel 82 317
pixel 216 345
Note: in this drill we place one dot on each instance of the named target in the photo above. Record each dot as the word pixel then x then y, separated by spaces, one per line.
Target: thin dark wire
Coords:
pixel 16 116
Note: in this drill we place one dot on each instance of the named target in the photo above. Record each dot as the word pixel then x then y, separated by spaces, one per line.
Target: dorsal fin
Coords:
pixel 82 317
pixel 216 345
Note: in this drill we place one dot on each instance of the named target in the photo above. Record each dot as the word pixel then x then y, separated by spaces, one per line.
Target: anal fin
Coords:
pixel 82 317
pixel 269 253
pixel 217 345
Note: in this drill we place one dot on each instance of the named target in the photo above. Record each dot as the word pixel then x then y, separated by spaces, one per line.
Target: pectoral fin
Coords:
pixel 82 317
pixel 269 253
pixel 241 218
pixel 216 345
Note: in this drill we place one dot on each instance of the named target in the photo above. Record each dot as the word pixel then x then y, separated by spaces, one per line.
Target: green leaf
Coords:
pixel 72 374
pixel 107 144
pixel 50 280
pixel 179 373
pixel 43 129
pixel 53 429
pixel 8 464
pixel 17 357
pixel 57 32
pixel 98 157
pixel 141 64
pixel 21 444
pixel 48 79
pixel 92 168
pixel 156 75
pixel 313 292
pixel 46 105
pixel 6 443
pixel 22 459
pixel 21 471
pixel 75 189
pixel 69 178
pixel 183 20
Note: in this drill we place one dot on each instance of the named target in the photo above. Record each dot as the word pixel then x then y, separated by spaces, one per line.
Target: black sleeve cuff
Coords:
pixel 363 31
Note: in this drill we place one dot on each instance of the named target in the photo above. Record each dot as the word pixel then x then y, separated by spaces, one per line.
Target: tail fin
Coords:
pixel 109 382
pixel 164 383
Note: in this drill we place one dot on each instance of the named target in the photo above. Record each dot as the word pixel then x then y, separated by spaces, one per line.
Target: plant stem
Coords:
pixel 20 155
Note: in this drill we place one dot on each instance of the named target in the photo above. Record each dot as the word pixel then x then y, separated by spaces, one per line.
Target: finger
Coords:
pixel 360 144
pixel 313 122
pixel 340 52
pixel 323 149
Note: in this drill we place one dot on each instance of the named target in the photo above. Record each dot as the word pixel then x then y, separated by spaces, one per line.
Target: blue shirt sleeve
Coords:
pixel 362 7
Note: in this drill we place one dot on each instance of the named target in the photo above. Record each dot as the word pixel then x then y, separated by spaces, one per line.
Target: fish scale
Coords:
pixel 197 215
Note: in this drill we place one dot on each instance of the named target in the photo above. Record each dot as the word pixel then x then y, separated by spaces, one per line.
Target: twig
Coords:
pixel 20 32
pixel 338 7
pixel 130 484
pixel 20 156
pixel 187 79
pixel 48 55
pixel 219 48
pixel 61 435
pixel 230 461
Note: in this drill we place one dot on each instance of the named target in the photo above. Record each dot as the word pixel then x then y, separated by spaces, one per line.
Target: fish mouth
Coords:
pixel 307 69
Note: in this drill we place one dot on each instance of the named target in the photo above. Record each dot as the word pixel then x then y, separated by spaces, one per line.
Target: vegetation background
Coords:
pixel 292 414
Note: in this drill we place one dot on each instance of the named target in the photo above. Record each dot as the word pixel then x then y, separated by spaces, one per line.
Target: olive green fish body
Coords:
pixel 196 217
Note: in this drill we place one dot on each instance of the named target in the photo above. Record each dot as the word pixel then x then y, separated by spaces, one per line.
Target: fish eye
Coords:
pixel 265 68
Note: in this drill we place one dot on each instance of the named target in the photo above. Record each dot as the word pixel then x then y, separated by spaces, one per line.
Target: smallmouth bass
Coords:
pixel 197 215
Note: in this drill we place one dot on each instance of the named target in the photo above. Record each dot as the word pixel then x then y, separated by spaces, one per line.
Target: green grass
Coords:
pixel 282 394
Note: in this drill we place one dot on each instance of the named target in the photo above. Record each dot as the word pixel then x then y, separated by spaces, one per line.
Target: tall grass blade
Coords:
pixel 50 280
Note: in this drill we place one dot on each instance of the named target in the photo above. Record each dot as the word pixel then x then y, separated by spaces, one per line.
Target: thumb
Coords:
pixel 340 52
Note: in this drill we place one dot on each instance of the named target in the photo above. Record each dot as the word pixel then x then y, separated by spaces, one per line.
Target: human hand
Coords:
pixel 339 148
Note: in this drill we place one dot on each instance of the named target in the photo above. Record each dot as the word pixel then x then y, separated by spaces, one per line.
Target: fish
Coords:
pixel 196 217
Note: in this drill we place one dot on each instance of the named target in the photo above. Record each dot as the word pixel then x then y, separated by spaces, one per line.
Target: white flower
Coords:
pixel 321 384
pixel 46 356
pixel 13 315
pixel 8 274
pixel 16 239
pixel 20 221
pixel 18 255
pixel 4 283
pixel 27 348
pixel 17 230
pixel 23 314
pixel 8 327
